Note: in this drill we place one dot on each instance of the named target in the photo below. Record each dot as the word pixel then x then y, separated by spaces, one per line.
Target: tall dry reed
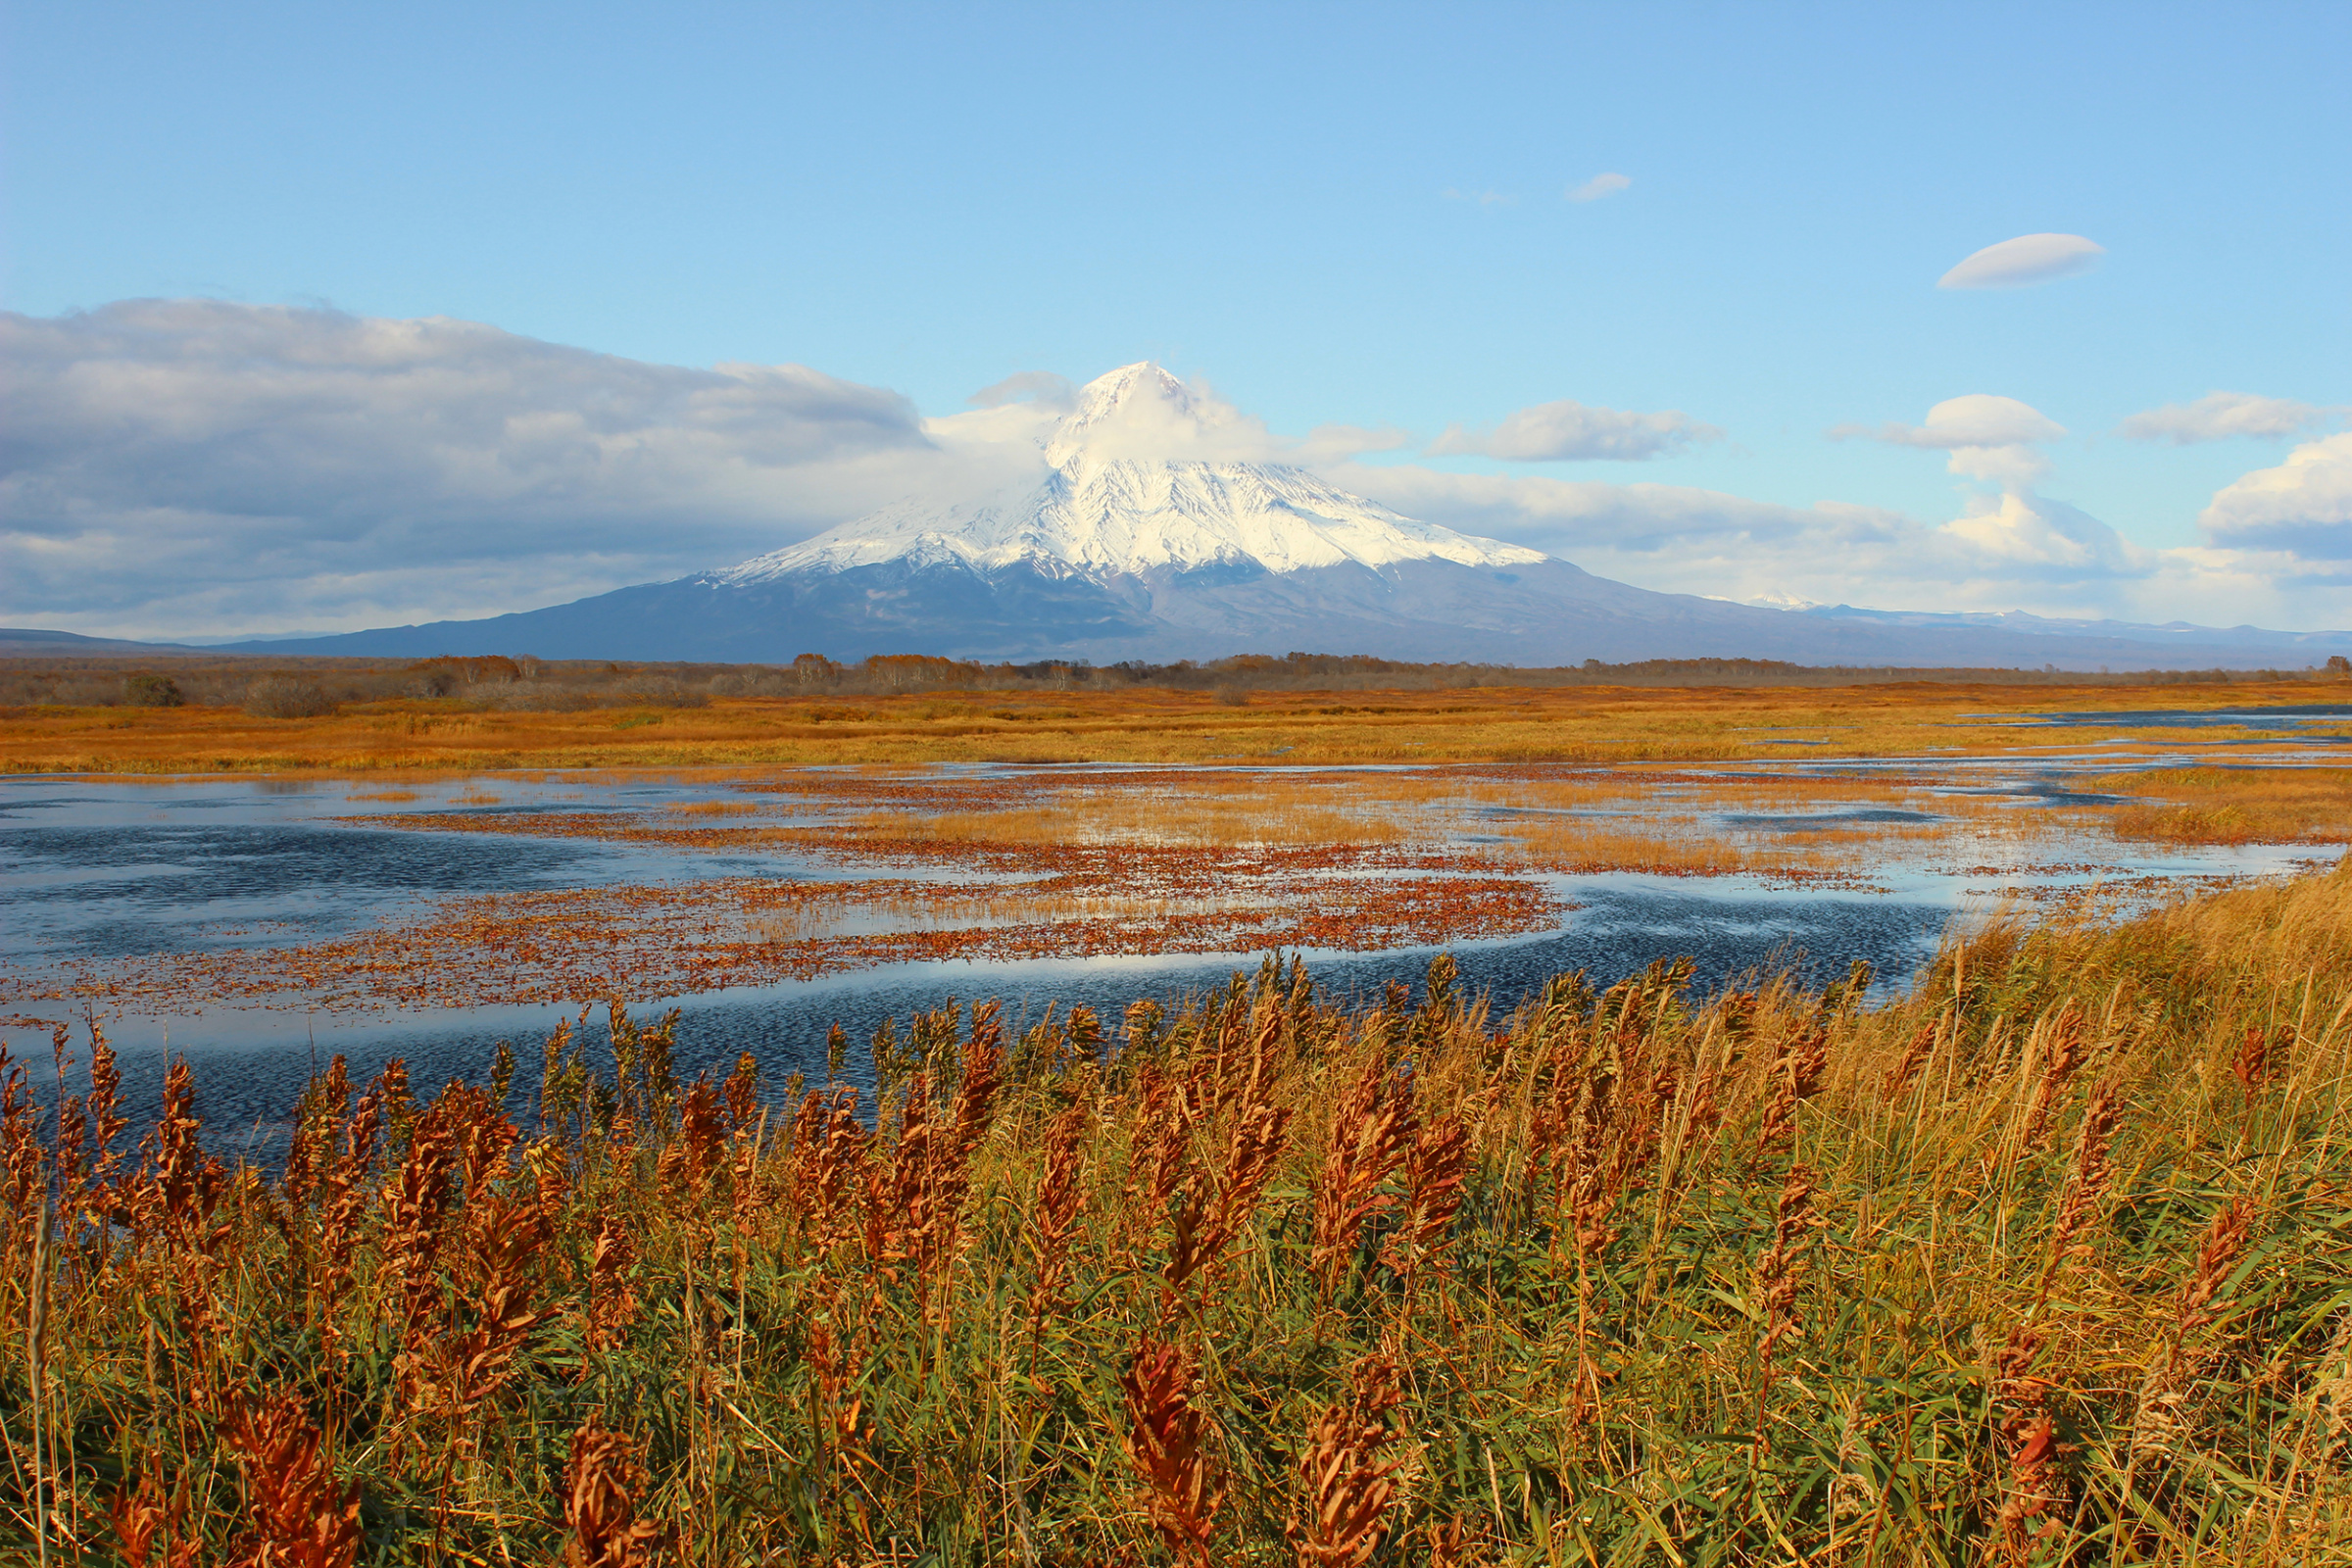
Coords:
pixel 2041 1261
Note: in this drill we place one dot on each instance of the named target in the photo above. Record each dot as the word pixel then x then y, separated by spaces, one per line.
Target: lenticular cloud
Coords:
pixel 2025 260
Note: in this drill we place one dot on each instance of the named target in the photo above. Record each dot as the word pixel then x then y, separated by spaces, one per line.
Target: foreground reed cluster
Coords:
pixel 2047 1263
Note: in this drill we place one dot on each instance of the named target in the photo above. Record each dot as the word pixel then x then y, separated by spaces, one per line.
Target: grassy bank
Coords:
pixel 2050 1263
pixel 1489 723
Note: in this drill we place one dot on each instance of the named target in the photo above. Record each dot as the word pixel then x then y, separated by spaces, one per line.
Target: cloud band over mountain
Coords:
pixel 190 467
pixel 193 465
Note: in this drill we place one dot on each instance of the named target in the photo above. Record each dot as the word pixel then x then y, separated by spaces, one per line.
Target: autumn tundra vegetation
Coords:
pixel 499 681
pixel 2049 1260
pixel 249 715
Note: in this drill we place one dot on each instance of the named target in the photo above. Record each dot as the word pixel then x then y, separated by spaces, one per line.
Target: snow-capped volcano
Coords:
pixel 1099 507
pixel 1150 522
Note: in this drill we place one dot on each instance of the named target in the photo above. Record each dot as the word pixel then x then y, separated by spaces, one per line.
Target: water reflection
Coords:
pixel 116 871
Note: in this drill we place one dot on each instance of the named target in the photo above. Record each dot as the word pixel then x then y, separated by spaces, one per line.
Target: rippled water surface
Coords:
pixel 105 873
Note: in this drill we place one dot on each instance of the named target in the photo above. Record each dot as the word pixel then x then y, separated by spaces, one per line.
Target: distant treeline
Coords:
pixel 292 687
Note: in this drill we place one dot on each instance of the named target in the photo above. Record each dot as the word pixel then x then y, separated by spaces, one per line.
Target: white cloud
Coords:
pixel 1042 387
pixel 1141 411
pixel 2220 415
pixel 1483 198
pixel 2049 538
pixel 2008 538
pixel 2009 533
pixel 2302 507
pixel 2004 551
pixel 2024 260
pixel 193 466
pixel 1990 438
pixel 1161 419
pixel 1599 185
pixel 1568 517
pixel 1566 431
pixel 2008 548
pixel 1976 420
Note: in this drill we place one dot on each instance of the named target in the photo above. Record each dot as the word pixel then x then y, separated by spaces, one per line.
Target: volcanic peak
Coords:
pixel 1142 475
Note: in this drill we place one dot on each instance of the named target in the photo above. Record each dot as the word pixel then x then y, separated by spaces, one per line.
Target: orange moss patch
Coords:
pixel 564 945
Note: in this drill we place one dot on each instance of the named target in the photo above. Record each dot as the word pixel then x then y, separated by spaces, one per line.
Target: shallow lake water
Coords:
pixel 107 874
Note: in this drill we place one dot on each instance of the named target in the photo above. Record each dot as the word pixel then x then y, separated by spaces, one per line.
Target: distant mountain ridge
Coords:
pixel 28 642
pixel 1114 551
pixel 2181 634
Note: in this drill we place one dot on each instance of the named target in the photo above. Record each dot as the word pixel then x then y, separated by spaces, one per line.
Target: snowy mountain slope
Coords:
pixel 1148 525
pixel 1097 511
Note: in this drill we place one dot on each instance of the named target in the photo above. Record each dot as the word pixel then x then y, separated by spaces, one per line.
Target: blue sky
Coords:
pixel 1346 215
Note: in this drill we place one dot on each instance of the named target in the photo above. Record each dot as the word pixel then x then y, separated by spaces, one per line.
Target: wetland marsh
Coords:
pixel 1385 1139
pixel 264 919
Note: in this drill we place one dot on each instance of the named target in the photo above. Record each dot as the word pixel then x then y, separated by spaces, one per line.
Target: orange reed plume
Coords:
pixel 1780 1271
pixel 1266 1053
pixel 600 1506
pixel 1735 1017
pixel 2225 1239
pixel 71 1145
pixel 298 1517
pixel 413 1203
pixel 2252 1062
pixel 2159 1427
pixel 1166 1435
pixel 2062 1050
pixel 1800 1065
pixel 1205 1221
pixel 1372 1131
pixel 1591 1183
pixel 1054 1217
pixel 1434 1173
pixel 1907 1065
pixel 2088 1183
pixel 828 1162
pixel 1656 1081
pixel 342 1202
pixel 1163 1112
pixel 1349 1484
pixel 325 1105
pixel 968 1121
pixel 147 1523
pixel 479 1132
pixel 611 1297
pixel 19 1148
pixel 185 1184
pixel 741 1090
pixel 747 1126
pixel 105 1104
pixel 1799 1069
pixel 2035 1487
pixel 899 1221
pixel 505 1239
pixel 915 1206
pixel 1082 1040
pixel 691 1158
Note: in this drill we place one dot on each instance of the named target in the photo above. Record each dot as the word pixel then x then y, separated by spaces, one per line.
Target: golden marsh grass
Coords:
pixel 2044 1261
pixel 1587 725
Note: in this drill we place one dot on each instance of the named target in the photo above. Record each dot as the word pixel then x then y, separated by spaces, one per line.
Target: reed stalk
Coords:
pixel 2039 1261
